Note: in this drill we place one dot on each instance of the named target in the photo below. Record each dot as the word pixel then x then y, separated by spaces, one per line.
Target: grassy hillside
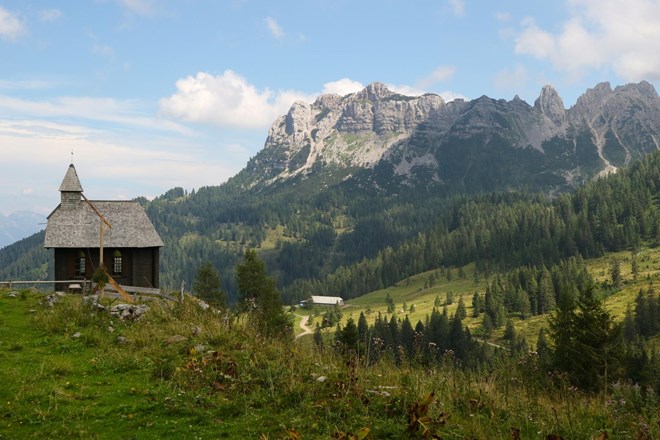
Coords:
pixel 73 371
pixel 417 291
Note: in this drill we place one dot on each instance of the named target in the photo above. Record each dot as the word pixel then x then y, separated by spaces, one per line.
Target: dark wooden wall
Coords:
pixel 140 266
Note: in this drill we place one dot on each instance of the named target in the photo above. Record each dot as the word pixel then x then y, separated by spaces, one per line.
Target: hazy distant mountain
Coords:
pixel 19 225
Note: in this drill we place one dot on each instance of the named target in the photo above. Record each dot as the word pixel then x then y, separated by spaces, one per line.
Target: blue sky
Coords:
pixel 153 94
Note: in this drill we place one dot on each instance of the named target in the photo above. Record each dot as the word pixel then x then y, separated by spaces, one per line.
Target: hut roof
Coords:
pixel 327 300
pixel 80 227
pixel 71 183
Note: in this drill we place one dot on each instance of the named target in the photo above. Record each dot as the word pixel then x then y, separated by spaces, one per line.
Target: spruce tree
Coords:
pixel 476 305
pixel 584 337
pixel 260 297
pixel 207 285
pixel 461 312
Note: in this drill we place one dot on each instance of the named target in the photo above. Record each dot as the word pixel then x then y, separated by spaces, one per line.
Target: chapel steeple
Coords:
pixel 70 189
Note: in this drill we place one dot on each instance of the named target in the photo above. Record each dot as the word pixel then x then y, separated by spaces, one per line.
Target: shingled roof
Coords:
pixel 71 183
pixel 80 227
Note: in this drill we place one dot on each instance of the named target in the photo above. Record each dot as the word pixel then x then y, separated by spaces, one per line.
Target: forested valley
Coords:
pixel 353 238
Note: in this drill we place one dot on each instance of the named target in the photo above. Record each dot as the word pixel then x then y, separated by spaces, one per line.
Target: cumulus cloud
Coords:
pixel 342 87
pixel 274 28
pixel 11 26
pixel 228 100
pixel 600 34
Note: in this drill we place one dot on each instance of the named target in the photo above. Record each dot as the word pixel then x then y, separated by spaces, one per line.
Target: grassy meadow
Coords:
pixel 417 291
pixel 72 371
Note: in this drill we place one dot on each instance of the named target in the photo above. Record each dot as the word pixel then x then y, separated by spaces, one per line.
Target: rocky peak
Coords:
pixel 592 101
pixel 550 104
pixel 375 92
pixel 642 89
pixel 297 119
pixel 329 100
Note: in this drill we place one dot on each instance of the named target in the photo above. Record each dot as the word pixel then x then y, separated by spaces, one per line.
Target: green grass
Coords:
pixel 65 375
pixel 414 291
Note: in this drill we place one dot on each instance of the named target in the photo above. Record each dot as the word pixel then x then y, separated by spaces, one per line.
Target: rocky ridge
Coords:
pixel 426 136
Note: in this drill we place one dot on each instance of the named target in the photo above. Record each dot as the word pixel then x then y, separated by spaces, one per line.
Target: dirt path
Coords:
pixel 303 325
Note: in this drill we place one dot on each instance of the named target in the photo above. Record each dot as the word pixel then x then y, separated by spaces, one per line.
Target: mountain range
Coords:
pixel 19 225
pixel 482 144
pixel 358 178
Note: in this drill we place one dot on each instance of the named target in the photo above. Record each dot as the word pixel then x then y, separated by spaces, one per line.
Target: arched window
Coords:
pixel 117 263
pixel 80 264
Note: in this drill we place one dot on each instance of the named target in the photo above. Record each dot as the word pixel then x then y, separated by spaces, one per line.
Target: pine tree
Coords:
pixel 630 332
pixel 349 337
pixel 363 328
pixel 584 336
pixel 207 285
pixel 510 335
pixel 259 296
pixel 615 272
pixel 407 336
pixel 476 305
pixel 461 312
pixel 634 266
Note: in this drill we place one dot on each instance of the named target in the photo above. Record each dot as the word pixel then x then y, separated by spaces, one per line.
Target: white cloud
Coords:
pixel 228 100
pixel 342 87
pixel 457 7
pixel 274 28
pixel 600 34
pixel 87 108
pixel 440 74
pixel 449 96
pixel 534 41
pixel 49 15
pixel 347 86
pixel 11 27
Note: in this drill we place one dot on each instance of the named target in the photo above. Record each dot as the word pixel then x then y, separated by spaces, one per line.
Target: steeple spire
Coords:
pixel 71 183
pixel 70 189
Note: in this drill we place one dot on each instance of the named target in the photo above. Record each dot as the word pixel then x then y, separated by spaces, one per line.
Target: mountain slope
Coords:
pixel 19 225
pixel 359 177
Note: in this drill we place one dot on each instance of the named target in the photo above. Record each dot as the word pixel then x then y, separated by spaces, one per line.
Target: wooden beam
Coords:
pixel 91 205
